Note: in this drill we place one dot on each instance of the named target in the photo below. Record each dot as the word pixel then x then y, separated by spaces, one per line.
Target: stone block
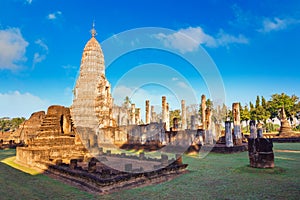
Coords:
pixel 261 153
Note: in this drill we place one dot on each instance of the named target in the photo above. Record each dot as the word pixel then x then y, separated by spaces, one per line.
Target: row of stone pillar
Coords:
pixel 206 115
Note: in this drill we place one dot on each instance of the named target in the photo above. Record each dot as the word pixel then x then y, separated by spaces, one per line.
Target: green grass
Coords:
pixel 217 176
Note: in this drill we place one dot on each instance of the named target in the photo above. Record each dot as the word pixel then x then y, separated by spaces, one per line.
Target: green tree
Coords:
pixel 252 111
pixel 209 104
pixel 245 114
pixel 290 103
pixel 174 114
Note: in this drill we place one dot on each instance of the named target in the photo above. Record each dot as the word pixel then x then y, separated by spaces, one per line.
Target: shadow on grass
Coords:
pixel 249 169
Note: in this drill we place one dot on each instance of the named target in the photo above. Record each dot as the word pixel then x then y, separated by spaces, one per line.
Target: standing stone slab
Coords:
pixel 259 130
pixel 228 134
pixel 193 122
pixel 203 108
pixel 132 114
pixel 147 112
pixel 153 115
pixel 261 153
pixel 236 124
pixel 252 129
pixel 183 115
pixel 165 109
pixel 208 128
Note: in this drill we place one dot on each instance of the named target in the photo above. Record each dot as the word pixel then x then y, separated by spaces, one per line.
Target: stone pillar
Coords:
pixel 203 109
pixel 208 129
pixel 147 117
pixel 193 122
pixel 164 111
pixel 168 118
pixel 138 116
pixel 228 134
pixel 132 113
pixel 252 129
pixel 259 130
pixel 183 115
pixel 153 114
pixel 236 124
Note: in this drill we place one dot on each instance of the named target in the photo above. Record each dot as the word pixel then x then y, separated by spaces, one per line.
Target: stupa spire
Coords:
pixel 93 31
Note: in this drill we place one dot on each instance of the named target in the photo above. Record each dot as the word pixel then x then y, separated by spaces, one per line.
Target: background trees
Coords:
pixel 7 124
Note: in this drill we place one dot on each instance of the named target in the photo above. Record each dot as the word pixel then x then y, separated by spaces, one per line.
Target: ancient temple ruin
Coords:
pixel 54 140
pixel 92 102
pixel 285 128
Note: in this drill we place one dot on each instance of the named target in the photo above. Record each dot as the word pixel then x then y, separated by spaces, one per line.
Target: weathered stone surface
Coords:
pixel 56 122
pixel 208 129
pixel 203 108
pixel 285 128
pixel 54 140
pixel 261 153
pixel 237 139
pixel 252 129
pixel 147 106
pixel 228 134
pixel 183 115
pixel 92 102
pixel 28 129
pixel 165 113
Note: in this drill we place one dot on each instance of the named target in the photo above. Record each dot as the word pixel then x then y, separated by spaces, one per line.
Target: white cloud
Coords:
pixel 182 84
pixel 189 39
pixel 277 24
pixel 12 48
pixel 28 1
pixel 15 104
pixel 179 83
pixel 225 39
pixel 37 57
pixel 55 15
pixel 40 56
pixel 41 44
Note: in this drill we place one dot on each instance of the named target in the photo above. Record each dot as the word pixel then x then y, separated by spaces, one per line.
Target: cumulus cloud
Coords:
pixel 40 56
pixel 16 104
pixel 189 39
pixel 55 15
pixel 225 39
pixel 277 24
pixel 12 48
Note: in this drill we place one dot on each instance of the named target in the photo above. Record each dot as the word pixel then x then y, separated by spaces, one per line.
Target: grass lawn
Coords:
pixel 217 176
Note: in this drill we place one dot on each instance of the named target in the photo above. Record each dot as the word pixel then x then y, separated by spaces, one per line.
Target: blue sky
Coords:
pixel 254 44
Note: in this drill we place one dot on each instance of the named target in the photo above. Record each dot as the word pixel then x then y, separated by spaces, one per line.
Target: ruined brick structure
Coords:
pixel 28 129
pixel 55 140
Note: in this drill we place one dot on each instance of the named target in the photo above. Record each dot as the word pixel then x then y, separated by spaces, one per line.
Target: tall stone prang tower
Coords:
pixel 92 102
